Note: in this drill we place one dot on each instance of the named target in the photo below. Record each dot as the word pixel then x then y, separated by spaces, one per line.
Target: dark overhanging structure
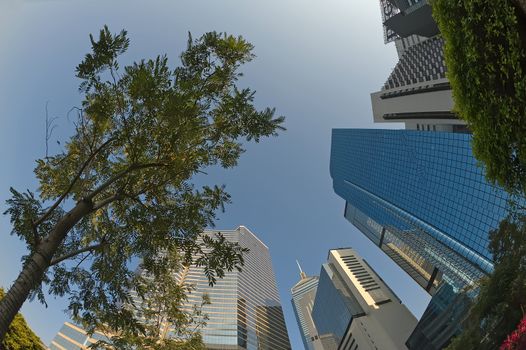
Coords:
pixel 402 18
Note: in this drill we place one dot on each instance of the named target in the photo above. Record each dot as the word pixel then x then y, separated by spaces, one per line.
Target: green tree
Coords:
pixel 486 61
pixel 501 302
pixel 20 336
pixel 165 324
pixel 121 188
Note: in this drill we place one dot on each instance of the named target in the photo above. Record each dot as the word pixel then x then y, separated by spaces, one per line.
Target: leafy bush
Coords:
pixel 20 336
pixel 486 59
pixel 499 306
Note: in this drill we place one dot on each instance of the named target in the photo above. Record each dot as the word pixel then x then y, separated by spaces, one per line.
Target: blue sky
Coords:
pixel 317 62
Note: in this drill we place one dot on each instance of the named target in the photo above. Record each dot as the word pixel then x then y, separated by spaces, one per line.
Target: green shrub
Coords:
pixel 486 67
pixel 20 336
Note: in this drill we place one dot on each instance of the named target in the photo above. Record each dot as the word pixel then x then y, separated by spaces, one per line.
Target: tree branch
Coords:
pixel 77 252
pixel 36 237
pixel 75 179
pixel 82 260
pixel 104 202
pixel 122 194
pixel 120 175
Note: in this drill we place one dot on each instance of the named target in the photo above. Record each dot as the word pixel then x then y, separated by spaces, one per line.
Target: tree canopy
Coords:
pixel 486 61
pixel 167 320
pixel 121 190
pixel 501 303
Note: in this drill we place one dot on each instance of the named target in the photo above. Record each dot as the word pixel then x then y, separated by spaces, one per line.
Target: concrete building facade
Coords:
pixel 303 294
pixel 417 92
pixel 354 308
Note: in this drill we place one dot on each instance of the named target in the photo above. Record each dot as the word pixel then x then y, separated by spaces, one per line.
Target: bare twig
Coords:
pixel 82 260
pixel 50 126
pixel 74 108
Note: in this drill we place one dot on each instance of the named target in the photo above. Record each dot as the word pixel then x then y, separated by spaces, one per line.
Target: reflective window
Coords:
pixel 420 187
pixel 334 307
pixel 74 334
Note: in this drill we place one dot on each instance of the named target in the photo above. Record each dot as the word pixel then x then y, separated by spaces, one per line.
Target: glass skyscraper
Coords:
pixel 422 198
pixel 354 308
pixel 245 310
pixel 303 294
pixel 335 307
pixel 72 337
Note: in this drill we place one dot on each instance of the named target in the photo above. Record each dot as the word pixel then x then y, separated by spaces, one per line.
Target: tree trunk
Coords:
pixel 34 269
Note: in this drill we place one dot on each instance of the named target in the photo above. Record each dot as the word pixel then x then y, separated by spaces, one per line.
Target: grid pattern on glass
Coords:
pixel 330 313
pixel 245 311
pixel 431 177
pixel 441 320
pixel 417 252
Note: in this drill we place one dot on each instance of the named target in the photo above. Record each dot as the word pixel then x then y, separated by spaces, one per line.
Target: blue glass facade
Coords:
pixel 441 320
pixel 422 198
pixel 334 306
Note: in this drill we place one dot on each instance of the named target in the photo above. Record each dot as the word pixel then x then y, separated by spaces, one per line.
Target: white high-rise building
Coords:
pixel 303 294
pixel 355 310
pixel 245 310
pixel 244 313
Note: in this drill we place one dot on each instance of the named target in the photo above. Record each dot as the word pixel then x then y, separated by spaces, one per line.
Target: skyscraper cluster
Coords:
pixel 416 193
pixel 349 307
pixel 419 194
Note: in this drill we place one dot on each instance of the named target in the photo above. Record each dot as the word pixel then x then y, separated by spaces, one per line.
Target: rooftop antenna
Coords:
pixel 302 274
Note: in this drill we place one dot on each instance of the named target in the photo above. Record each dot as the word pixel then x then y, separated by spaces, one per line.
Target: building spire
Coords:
pixel 302 274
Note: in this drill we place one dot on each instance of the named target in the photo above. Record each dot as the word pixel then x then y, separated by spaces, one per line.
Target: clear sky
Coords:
pixel 317 62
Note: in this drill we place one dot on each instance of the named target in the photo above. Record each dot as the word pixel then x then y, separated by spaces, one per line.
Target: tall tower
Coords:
pixel 72 337
pixel 422 198
pixel 417 91
pixel 303 294
pixel 245 310
pixel 355 309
